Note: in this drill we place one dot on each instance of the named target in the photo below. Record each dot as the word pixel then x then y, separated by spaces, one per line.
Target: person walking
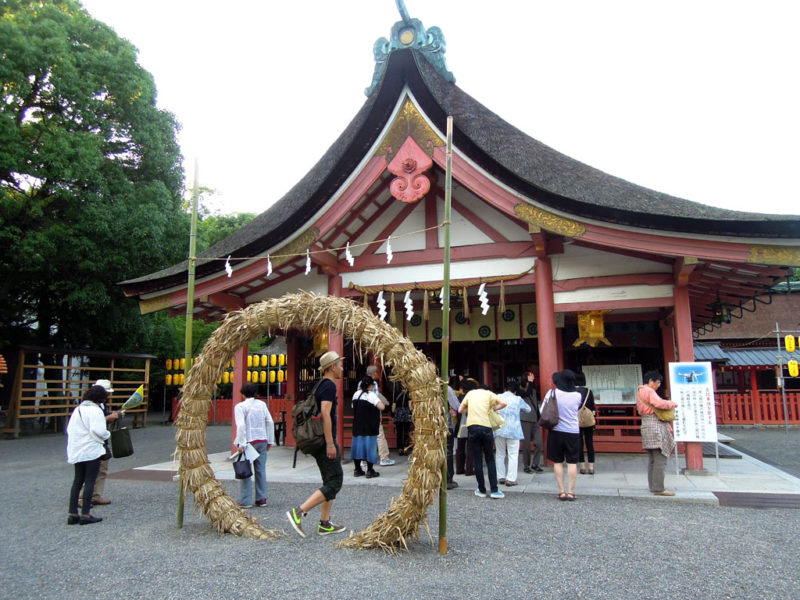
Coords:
pixel 254 427
pixel 477 403
pixel 86 436
pixel 531 431
pixel 564 440
pixel 587 433
pixel 383 445
pixel 367 409
pixel 328 458
pixel 506 439
pixel 657 436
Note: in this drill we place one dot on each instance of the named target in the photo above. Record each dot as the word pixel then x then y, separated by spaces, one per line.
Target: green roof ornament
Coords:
pixel 410 33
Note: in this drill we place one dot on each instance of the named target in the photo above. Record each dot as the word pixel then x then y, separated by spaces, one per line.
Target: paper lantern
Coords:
pixel 249 376
pixel 273 360
pixel 281 359
pixel 264 360
pixel 169 364
pixel 789 343
pixel 226 377
pixel 272 376
pixel 249 360
pixel 591 328
pixel 263 377
pixel 168 380
pixel 183 364
pixel 794 368
pixel 280 376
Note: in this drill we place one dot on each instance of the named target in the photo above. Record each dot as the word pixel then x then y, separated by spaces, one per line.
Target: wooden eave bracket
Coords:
pixel 683 268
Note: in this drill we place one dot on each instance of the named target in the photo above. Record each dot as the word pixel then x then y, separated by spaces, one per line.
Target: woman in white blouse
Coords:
pixel 506 439
pixel 86 434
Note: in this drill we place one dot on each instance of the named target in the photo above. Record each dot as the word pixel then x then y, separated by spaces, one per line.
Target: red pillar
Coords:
pixel 336 344
pixel 754 396
pixel 667 344
pixel 239 377
pixel 546 323
pixel 683 335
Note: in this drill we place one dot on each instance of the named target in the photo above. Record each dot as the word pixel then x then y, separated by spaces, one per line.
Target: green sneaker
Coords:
pixel 329 528
pixel 295 517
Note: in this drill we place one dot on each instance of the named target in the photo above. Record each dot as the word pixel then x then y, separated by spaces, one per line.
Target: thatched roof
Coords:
pixel 518 160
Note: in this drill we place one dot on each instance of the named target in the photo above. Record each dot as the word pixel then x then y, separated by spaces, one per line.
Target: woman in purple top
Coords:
pixel 564 440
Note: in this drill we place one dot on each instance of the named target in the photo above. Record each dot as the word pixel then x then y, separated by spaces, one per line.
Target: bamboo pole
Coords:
pixel 187 340
pixel 445 368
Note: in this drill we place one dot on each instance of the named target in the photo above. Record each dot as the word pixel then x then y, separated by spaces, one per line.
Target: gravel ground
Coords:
pixel 526 544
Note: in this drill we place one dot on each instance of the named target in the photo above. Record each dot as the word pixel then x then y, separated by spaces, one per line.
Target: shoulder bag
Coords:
pixel 496 420
pixel 585 416
pixel 664 414
pixel 242 469
pixel 550 416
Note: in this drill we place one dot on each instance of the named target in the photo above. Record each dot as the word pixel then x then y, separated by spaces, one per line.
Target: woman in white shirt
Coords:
pixel 564 440
pixel 86 434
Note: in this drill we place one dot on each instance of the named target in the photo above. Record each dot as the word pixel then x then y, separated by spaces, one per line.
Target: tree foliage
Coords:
pixel 90 180
pixel 214 228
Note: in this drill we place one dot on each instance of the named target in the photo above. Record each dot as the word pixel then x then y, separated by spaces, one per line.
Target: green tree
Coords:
pixel 90 180
pixel 214 228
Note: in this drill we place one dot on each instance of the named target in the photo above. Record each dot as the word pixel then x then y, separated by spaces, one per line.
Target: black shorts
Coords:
pixel 331 471
pixel 562 445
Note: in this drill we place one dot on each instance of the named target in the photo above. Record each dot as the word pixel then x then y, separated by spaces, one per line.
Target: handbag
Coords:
pixel 586 416
pixel 242 469
pixel 496 420
pixel 550 416
pixel 121 445
pixel 663 414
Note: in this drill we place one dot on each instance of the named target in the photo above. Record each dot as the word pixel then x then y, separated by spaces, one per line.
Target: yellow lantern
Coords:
pixel 183 364
pixel 263 377
pixel 249 360
pixel 264 360
pixel 219 379
pixel 281 359
pixel 789 343
pixel 168 379
pixel 249 376
pixel 280 376
pixel 273 360
pixel 591 328
pixel 272 376
pixel 793 368
pixel 176 364
pixel 169 364
pixel 226 377
pixel 320 342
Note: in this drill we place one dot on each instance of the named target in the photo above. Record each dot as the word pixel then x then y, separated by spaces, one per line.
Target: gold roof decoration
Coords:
pixel 549 221
pixel 409 123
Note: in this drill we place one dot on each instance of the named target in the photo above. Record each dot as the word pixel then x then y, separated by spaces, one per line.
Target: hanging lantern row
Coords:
pixel 254 361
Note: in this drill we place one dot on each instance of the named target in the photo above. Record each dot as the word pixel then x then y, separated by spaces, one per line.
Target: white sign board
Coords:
pixel 691 385
pixel 613 384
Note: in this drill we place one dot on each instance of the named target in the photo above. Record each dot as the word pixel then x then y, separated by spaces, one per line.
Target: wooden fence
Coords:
pixel 735 408
pixel 49 383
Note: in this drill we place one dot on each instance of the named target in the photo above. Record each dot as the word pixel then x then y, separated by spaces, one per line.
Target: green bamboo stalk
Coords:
pixel 445 372
pixel 187 340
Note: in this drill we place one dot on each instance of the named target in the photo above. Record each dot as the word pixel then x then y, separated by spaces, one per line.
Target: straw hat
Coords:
pixel 327 359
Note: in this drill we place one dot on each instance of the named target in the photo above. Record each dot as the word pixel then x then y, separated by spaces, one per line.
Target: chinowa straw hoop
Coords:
pixel 391 530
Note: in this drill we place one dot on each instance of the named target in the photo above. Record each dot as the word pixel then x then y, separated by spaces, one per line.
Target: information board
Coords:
pixel 692 387
pixel 613 384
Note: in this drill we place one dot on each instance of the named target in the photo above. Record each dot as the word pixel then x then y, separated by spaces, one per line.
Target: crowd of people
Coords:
pixel 483 427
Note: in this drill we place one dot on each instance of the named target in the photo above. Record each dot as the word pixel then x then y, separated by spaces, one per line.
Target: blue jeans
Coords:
pixel 481 440
pixel 260 474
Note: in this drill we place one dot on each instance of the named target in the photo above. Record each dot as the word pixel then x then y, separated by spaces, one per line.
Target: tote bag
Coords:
pixel 549 418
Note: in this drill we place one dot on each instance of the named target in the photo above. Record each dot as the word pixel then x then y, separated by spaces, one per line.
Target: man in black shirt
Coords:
pixel 328 458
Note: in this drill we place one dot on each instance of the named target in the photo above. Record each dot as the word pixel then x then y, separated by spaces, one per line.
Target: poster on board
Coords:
pixel 613 384
pixel 691 385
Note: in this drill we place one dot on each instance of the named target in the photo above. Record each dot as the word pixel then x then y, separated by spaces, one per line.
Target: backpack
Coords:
pixel 309 435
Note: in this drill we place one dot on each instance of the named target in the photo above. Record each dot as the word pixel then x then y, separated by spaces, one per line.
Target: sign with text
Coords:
pixel 613 384
pixel 691 385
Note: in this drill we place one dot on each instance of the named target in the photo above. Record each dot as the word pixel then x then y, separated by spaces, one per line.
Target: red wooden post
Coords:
pixel 755 397
pixel 336 343
pixel 545 317
pixel 683 333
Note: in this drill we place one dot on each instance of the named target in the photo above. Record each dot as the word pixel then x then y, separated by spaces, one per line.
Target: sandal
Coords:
pixel 570 497
pixel 562 496
pixel 583 471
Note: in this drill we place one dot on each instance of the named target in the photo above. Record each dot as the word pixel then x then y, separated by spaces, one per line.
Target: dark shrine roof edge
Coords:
pixel 519 161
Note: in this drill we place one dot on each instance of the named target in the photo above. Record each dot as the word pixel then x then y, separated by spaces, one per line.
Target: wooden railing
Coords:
pixel 734 408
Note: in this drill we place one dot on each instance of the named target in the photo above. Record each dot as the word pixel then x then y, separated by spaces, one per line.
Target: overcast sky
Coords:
pixel 698 99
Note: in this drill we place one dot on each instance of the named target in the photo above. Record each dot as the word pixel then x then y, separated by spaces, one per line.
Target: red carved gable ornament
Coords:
pixel 409 164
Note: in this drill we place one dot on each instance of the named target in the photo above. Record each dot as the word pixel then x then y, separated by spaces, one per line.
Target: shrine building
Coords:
pixel 581 268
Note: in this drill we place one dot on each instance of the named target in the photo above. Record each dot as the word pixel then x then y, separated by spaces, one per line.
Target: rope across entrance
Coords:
pixel 410 368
